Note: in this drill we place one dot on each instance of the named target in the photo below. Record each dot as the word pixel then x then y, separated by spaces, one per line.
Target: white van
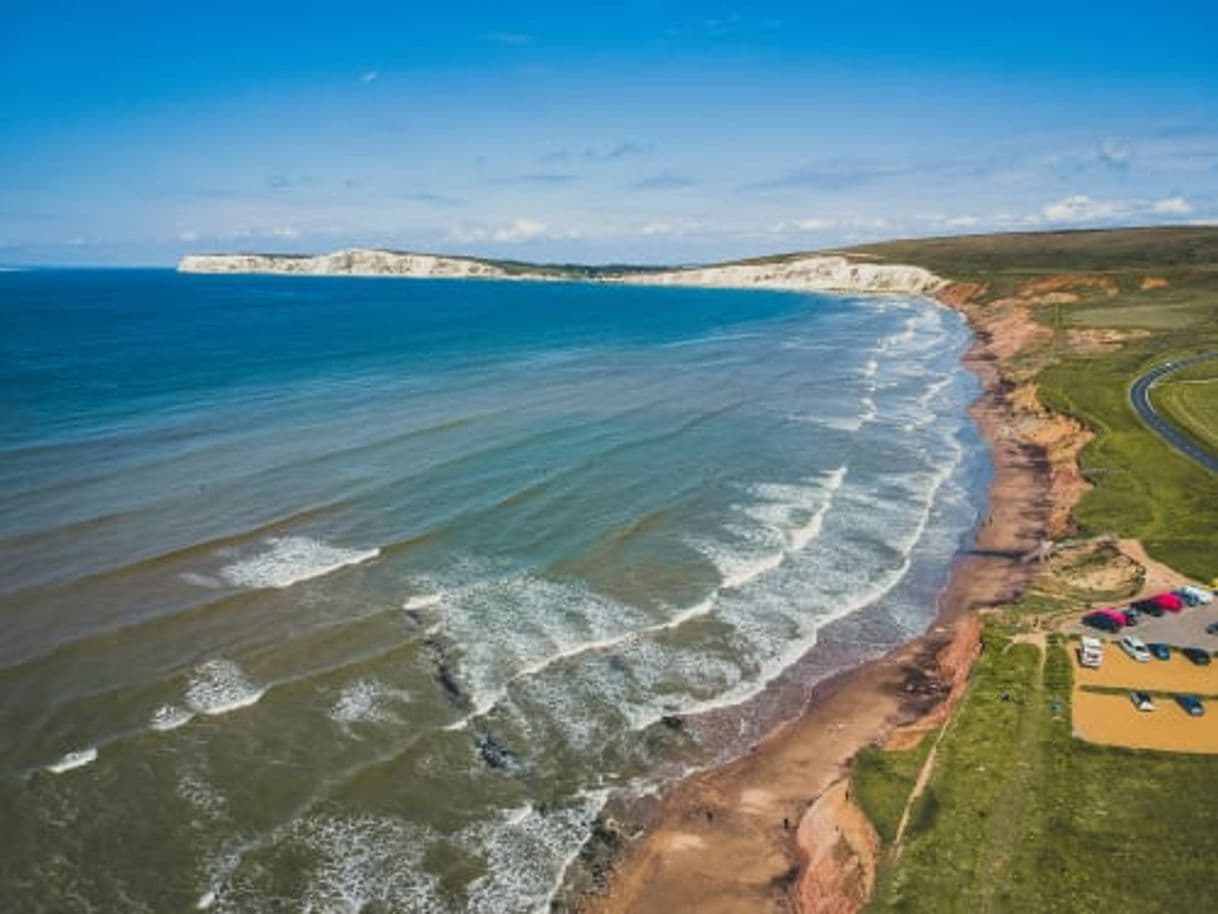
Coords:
pixel 1091 652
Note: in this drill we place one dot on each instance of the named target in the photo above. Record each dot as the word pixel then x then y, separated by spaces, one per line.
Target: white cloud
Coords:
pixel 189 235
pixel 961 221
pixel 520 230
pixel 1081 208
pixel 369 76
pixel 683 227
pixel 1173 206
pixel 813 224
pixel 284 231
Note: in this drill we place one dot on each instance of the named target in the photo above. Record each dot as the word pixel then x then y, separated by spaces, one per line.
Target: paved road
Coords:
pixel 1139 396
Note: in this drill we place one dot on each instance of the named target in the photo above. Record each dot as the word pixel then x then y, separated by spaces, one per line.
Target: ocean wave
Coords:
pixel 423 601
pixel 289 560
pixel 169 717
pixel 72 760
pixel 527 852
pixel 220 686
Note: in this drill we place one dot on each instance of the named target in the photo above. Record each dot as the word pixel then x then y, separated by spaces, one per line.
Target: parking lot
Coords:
pixel 1184 629
pixel 1178 674
pixel 1111 719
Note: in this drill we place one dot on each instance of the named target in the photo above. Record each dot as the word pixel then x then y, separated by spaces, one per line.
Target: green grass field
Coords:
pixel 1020 816
pixel 1189 398
pixel 882 782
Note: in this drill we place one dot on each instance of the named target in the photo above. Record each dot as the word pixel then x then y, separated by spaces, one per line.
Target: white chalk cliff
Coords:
pixel 813 272
pixel 354 262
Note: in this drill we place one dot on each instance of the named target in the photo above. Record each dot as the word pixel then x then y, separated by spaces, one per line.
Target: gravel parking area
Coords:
pixel 1183 629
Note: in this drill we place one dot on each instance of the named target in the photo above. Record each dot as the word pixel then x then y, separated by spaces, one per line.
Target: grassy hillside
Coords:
pixel 1019 816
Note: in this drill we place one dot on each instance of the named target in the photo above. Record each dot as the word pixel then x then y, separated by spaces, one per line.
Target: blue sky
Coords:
pixel 136 132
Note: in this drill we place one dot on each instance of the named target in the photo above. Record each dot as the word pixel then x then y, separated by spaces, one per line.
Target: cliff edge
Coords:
pixel 811 272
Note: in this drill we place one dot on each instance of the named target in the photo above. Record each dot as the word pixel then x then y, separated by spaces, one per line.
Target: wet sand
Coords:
pixel 734 838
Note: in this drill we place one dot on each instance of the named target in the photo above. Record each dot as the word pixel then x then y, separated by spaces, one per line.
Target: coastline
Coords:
pixel 775 829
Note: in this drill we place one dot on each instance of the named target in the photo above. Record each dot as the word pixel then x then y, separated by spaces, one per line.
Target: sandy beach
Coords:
pixel 775 830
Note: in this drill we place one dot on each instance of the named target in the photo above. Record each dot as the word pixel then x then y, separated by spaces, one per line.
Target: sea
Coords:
pixel 340 595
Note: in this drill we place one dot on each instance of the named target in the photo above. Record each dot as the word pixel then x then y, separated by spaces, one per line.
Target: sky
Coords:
pixel 136 132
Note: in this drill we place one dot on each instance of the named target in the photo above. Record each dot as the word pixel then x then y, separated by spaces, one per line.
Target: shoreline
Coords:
pixel 774 828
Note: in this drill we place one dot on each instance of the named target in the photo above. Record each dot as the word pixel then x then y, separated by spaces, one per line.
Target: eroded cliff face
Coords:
pixel 829 273
pixel 813 273
pixel 355 262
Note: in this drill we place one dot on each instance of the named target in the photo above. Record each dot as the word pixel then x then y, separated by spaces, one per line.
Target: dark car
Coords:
pixel 1212 628
pixel 1197 656
pixel 1102 621
pixel 1148 607
pixel 1132 616
pixel 1191 704
pixel 1160 651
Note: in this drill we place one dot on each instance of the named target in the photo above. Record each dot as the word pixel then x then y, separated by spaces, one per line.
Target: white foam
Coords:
pixel 800 536
pixel 368 862
pixel 219 686
pixel 206 900
pixel 169 717
pixel 423 601
pixel 71 760
pixel 361 700
pixel 527 852
pixel 289 560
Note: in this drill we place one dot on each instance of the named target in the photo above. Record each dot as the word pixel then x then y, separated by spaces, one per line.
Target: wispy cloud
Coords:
pixel 677 227
pixel 665 181
pixel 1172 206
pixel 1114 154
pixel 369 76
pixel 517 231
pixel 433 199
pixel 1081 208
pixel 539 178
pixel 600 153
pixel 284 182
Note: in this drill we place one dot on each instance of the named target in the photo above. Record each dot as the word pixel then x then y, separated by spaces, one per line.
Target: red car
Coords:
pixel 1168 601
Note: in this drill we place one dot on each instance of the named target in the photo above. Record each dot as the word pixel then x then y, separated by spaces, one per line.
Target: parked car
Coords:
pixel 1197 655
pixel 1191 704
pixel 1168 601
pixel 1132 616
pixel 1212 628
pixel 1160 651
pixel 1198 594
pixel 1091 652
pixel 1104 620
pixel 1148 607
pixel 1142 701
pixel 1135 648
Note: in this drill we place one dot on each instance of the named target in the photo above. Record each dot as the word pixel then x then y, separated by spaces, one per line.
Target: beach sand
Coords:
pixel 750 835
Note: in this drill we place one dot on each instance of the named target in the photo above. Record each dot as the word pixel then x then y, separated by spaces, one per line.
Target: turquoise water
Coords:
pixel 319 594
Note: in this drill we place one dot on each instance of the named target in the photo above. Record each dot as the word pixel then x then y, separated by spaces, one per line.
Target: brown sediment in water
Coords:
pixel 774 830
